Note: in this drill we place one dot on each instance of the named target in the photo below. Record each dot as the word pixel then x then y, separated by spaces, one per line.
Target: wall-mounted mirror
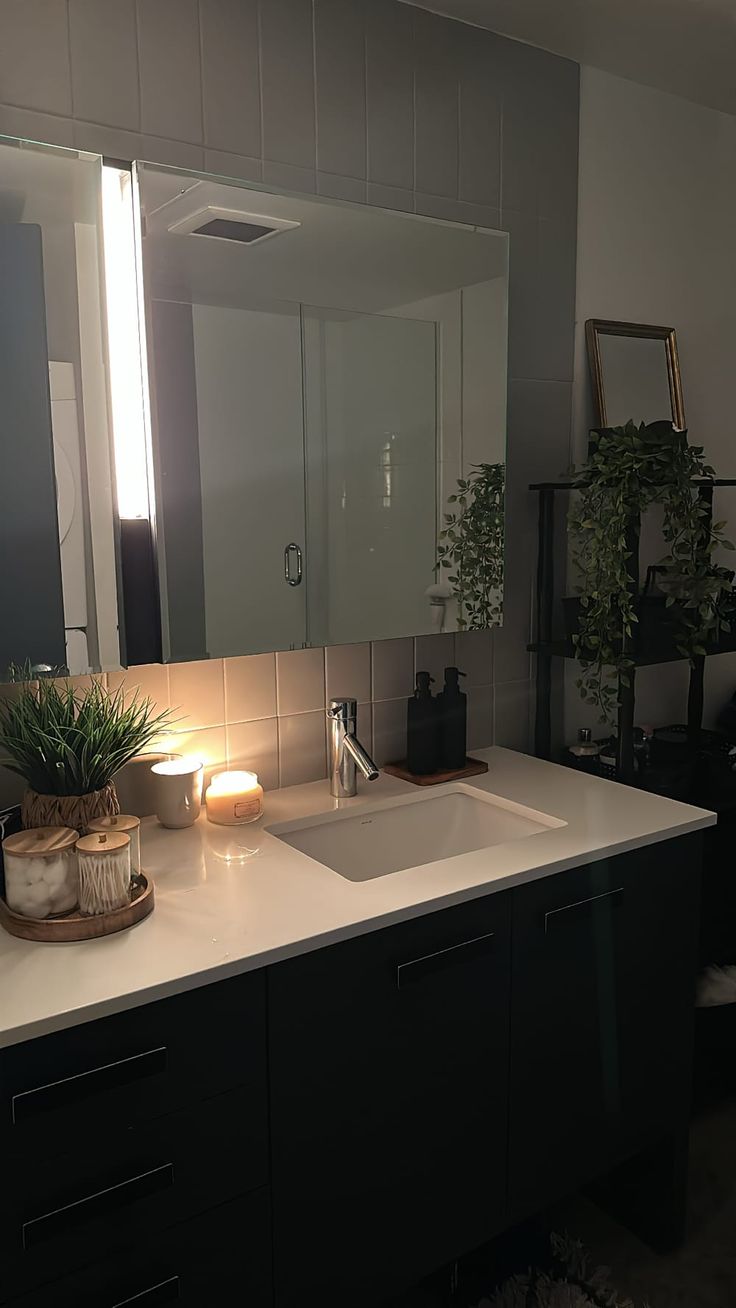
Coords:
pixel 58 591
pixel 321 376
pixel 276 469
pixel 635 372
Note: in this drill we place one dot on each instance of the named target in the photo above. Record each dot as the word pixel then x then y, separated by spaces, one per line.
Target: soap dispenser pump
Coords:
pixel 453 706
pixel 422 737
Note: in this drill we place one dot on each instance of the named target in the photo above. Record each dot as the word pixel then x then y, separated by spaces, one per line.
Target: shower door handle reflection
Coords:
pixel 296 578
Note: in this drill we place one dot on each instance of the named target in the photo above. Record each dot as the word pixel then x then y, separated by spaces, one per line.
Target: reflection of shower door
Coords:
pixel 251 454
pixel 371 453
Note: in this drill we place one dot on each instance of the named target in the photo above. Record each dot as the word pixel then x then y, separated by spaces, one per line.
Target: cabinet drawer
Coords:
pixel 87 1202
pixel 133 1066
pixel 220 1258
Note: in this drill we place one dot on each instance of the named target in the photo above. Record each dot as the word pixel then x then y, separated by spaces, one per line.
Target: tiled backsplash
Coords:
pixel 266 712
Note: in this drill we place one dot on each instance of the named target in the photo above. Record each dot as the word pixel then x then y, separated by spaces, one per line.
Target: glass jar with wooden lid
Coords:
pixel 41 871
pixel 104 871
pixel 130 825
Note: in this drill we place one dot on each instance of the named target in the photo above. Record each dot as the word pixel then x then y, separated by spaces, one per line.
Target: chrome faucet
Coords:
pixel 345 752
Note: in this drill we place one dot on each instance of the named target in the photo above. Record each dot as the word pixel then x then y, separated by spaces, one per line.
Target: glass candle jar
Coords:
pixel 104 871
pixel 233 798
pixel 127 823
pixel 41 878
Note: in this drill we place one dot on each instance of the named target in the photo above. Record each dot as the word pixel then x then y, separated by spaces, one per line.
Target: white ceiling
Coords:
pixel 687 47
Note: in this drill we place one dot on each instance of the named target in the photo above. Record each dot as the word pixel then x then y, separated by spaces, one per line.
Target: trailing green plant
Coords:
pixel 471 546
pixel 69 741
pixel 628 470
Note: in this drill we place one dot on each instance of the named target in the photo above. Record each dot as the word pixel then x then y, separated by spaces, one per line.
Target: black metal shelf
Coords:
pixel 704 482
pixel 642 659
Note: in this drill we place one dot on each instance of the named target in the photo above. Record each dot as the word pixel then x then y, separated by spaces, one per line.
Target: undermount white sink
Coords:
pixel 410 830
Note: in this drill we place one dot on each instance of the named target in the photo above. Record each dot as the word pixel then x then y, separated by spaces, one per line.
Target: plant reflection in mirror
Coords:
pixel 471 546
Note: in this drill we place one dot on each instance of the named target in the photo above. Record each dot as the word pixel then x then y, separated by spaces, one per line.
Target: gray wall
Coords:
pixel 362 99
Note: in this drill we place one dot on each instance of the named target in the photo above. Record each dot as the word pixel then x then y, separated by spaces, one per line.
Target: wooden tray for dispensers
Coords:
pixel 474 767
pixel 78 926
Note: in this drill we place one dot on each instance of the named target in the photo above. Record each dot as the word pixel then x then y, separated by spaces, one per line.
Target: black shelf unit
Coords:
pixel 548 647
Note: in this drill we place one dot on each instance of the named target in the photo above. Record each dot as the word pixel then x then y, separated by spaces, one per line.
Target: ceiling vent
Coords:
pixel 231 225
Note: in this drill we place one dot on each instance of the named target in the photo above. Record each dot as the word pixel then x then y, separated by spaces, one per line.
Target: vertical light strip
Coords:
pixel 125 354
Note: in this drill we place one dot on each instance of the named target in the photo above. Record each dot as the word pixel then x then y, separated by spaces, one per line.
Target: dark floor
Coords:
pixel 701 1274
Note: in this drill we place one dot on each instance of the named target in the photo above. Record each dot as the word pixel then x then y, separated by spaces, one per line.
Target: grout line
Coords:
pixel 69 56
pixel 136 25
pixel 314 89
pixel 366 145
pixel 139 62
pixel 201 70
pixel 259 63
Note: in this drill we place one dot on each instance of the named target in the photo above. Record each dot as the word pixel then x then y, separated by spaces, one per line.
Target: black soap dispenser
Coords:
pixel 453 713
pixel 422 736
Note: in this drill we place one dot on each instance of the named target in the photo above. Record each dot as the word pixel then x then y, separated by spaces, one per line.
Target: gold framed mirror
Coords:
pixel 635 372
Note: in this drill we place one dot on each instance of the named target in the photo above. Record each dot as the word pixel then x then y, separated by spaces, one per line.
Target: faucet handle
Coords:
pixel 344 710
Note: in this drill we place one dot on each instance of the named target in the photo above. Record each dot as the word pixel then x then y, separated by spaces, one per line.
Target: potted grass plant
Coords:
pixel 68 743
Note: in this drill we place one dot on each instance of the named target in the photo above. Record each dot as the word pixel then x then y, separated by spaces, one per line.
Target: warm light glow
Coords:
pixel 177 767
pixel 232 783
pixel 124 345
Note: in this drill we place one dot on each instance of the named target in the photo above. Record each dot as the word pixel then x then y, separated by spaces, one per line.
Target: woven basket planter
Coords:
pixel 74 811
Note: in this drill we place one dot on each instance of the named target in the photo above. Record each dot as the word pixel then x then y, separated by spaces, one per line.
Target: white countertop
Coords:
pixel 216 916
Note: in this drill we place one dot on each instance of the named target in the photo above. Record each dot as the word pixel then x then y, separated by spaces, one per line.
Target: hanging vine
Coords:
pixel 629 469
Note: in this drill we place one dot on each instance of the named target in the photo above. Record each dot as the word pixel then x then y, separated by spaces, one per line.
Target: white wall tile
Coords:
pixel 348 671
pixel 474 656
pixel 34 55
pixel 393 668
pixel 230 75
pixel 433 654
pixel 254 746
pixel 300 680
pixel 302 748
pixel 287 82
pixel 32 126
pixel 169 54
pixel 197 692
pixel 512 709
pixel 250 688
pixel 103 39
pixel 389 731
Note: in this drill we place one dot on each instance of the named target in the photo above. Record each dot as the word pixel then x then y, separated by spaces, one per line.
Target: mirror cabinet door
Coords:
pixel 322 375
pixel 58 578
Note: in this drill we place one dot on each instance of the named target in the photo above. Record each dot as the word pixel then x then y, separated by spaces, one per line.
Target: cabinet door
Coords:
pixel 602 1002
pixel 388 1081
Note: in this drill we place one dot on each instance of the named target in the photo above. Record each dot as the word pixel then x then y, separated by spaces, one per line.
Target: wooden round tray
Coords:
pixel 78 926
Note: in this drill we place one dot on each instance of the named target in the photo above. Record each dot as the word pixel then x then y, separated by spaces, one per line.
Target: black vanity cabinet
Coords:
pixel 602 993
pixel 389 1058
pixel 430 1083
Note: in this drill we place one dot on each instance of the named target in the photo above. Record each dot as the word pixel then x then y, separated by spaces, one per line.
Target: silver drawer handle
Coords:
pixel 162 1292
pixel 296 580
pixel 616 895
pixel 421 967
